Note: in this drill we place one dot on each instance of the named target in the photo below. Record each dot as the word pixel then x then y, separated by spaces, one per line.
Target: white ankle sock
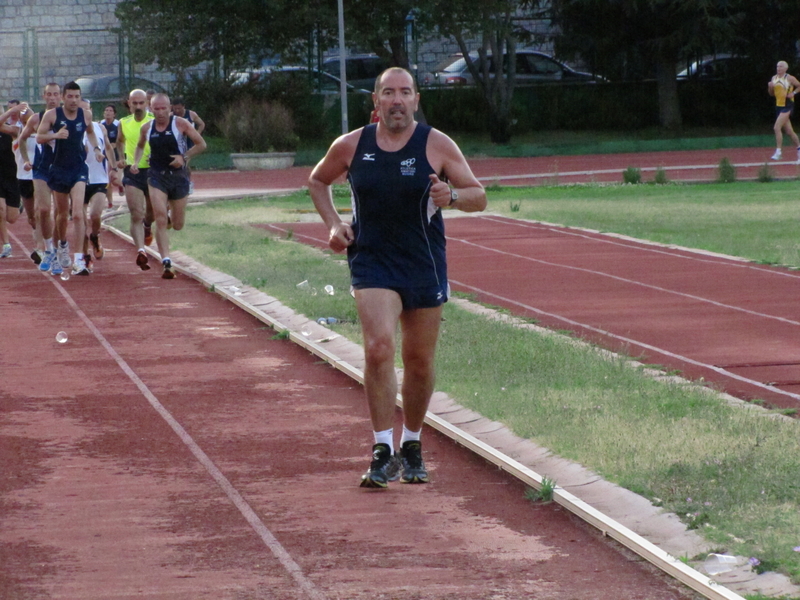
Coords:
pixel 385 437
pixel 409 436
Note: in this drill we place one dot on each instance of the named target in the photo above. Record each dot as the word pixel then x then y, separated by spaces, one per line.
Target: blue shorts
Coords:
pixel 784 109
pixel 174 183
pixel 139 181
pixel 415 297
pixel 63 180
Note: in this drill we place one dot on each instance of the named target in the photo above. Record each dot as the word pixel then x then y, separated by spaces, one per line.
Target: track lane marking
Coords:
pixel 270 541
pixel 643 245
pixel 629 281
pixel 627 340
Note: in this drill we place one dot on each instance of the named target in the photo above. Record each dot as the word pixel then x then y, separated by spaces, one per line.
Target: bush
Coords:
pixel 661 176
pixel 765 174
pixel 727 172
pixel 632 175
pixel 259 126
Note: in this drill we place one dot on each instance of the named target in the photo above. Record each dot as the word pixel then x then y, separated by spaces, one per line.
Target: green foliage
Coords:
pixel 727 172
pixel 544 493
pixel 252 126
pixel 765 174
pixel 660 176
pixel 632 175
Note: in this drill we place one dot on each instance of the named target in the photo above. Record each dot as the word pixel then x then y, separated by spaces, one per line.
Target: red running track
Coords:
pixel 725 320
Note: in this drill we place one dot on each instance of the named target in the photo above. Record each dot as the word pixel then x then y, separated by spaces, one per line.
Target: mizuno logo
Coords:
pixel 368 156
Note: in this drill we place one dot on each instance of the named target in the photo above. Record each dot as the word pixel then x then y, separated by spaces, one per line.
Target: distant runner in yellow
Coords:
pixel 783 88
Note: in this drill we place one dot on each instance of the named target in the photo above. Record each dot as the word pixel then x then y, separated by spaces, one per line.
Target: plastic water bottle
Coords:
pixel 61 337
pixel 329 290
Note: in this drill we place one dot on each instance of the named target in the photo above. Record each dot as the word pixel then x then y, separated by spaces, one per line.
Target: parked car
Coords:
pixel 532 67
pixel 719 66
pixel 107 88
pixel 319 81
pixel 362 69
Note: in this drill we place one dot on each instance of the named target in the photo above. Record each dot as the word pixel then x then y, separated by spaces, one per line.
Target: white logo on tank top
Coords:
pixel 407 167
pixel 368 156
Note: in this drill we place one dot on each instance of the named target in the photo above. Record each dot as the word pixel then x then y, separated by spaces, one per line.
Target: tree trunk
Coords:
pixel 669 108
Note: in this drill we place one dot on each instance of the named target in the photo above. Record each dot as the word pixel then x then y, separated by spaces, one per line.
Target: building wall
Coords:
pixel 56 40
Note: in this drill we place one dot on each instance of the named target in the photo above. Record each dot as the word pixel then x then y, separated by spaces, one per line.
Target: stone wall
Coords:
pixel 56 40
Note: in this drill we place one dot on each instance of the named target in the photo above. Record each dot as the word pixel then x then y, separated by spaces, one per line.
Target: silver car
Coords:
pixel 532 67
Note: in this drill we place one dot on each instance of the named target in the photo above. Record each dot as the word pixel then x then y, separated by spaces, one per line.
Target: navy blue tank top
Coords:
pixel 70 154
pixel 43 156
pixel 399 232
pixel 165 144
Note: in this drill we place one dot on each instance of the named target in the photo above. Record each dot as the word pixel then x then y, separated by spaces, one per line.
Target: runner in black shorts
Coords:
pixel 135 183
pixel 9 188
pixel 168 177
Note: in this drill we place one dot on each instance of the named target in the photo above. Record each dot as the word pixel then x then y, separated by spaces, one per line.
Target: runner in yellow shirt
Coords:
pixel 136 193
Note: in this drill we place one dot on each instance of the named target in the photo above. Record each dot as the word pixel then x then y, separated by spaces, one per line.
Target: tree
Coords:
pixel 180 34
pixel 499 26
pixel 656 35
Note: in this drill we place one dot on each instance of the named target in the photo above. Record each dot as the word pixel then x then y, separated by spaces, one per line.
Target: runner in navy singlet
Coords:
pixel 167 177
pixel 68 174
pixel 42 196
pixel 396 252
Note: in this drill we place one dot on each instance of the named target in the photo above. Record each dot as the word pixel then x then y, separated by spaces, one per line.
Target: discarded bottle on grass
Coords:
pixel 719 563
pixel 327 320
pixel 304 285
pixel 329 290
pixel 61 337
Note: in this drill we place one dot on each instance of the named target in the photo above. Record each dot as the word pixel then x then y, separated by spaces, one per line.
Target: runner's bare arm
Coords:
pixel 446 158
pixel 199 143
pixel 27 131
pixel 44 133
pixel 199 124
pixel 333 166
pixel 121 145
pixel 90 133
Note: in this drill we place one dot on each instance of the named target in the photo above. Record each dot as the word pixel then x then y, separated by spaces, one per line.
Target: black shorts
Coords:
pixel 175 184
pixel 25 188
pixel 63 180
pixel 139 181
pixel 415 297
pixel 9 191
pixel 784 109
pixel 92 189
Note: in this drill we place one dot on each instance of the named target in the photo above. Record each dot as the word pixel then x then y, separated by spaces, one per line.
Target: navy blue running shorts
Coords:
pixel 415 297
pixel 63 180
pixel 175 184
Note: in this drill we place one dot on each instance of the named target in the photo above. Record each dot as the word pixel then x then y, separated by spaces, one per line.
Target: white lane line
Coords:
pixel 628 281
pixel 627 340
pixel 644 246
pixel 551 174
pixel 231 492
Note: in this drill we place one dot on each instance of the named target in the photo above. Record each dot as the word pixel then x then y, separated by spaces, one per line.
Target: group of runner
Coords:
pixel 62 167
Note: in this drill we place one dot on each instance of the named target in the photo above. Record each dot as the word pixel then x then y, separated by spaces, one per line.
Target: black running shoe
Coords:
pixel 385 467
pixel 414 470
